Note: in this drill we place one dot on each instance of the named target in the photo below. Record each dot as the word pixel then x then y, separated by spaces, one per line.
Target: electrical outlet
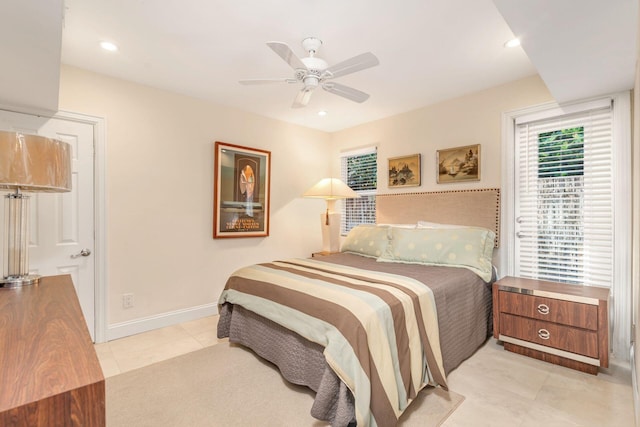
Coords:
pixel 127 300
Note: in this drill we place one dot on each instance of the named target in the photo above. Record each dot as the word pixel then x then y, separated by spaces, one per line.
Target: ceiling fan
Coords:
pixel 313 72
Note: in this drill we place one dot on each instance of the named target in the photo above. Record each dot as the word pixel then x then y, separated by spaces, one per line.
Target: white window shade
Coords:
pixel 564 191
pixel 359 169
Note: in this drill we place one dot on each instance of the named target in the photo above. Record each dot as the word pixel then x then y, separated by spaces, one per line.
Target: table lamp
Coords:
pixel 330 189
pixel 33 164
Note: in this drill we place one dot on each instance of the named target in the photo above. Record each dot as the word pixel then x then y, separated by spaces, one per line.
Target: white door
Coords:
pixel 62 224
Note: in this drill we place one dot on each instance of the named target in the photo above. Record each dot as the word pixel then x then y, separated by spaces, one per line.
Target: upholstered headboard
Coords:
pixel 479 208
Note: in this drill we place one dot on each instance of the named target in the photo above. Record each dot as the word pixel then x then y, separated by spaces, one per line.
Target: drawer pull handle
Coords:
pixel 544 334
pixel 543 309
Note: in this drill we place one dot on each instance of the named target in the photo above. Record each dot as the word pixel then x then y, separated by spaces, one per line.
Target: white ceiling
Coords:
pixel 429 51
pixel 581 48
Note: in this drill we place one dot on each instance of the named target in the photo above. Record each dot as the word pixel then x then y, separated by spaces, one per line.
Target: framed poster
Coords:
pixel 241 186
pixel 404 171
pixel 459 164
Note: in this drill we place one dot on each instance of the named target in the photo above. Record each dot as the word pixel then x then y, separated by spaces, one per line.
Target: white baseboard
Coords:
pixel 634 384
pixel 144 324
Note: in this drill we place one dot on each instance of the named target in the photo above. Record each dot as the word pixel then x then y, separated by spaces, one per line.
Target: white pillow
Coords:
pixel 426 224
pixel 367 240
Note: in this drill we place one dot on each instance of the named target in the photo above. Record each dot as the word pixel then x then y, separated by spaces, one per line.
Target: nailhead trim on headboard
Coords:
pixel 480 208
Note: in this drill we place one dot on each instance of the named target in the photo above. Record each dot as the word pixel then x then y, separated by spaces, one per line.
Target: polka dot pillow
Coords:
pixel 366 240
pixel 469 247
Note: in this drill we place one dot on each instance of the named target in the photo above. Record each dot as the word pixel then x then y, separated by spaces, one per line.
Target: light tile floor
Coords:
pixel 506 389
pixel 140 350
pixel 500 388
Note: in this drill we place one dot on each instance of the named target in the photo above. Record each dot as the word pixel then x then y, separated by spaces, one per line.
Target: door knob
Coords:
pixel 84 252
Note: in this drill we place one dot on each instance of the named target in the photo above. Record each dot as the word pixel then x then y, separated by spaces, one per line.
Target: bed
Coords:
pixel 369 327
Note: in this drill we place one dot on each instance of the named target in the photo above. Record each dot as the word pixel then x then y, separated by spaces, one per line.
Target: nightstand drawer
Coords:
pixel 551 310
pixel 549 334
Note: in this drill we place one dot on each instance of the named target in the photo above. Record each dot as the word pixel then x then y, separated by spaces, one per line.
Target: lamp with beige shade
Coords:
pixel 330 189
pixel 28 163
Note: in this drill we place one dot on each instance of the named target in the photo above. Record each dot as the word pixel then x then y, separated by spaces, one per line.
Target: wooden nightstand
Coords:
pixel 559 323
pixel 322 253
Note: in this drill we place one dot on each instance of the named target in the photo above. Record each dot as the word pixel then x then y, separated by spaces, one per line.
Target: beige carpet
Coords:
pixel 226 385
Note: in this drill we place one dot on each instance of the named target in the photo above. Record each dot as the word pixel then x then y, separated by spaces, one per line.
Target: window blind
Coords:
pixel 359 170
pixel 564 198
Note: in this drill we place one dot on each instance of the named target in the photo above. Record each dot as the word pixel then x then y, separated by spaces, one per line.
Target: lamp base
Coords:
pixel 19 281
pixel 330 232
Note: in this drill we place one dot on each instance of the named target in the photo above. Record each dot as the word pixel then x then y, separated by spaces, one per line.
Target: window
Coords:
pixel 564 192
pixel 359 170
pixel 560 231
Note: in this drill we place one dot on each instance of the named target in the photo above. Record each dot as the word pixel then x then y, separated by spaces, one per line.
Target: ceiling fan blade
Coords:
pixel 345 91
pixel 357 63
pixel 263 81
pixel 287 54
pixel 302 99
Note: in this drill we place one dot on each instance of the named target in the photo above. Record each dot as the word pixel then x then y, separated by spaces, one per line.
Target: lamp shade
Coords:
pixel 27 163
pixel 34 163
pixel 331 189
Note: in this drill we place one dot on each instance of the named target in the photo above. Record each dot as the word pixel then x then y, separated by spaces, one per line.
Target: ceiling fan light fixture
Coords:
pixel 311 82
pixel 313 72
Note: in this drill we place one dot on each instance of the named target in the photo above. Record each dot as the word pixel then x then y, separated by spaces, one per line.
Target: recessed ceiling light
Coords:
pixel 512 43
pixel 108 46
pixel 322 113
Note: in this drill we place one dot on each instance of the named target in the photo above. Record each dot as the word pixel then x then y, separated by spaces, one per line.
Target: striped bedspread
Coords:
pixel 379 330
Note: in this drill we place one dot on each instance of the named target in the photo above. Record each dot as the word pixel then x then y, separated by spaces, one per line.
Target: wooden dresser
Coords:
pixel 49 372
pixel 559 323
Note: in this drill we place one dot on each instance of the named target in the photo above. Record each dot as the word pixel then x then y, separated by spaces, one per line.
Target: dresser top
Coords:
pixel 543 287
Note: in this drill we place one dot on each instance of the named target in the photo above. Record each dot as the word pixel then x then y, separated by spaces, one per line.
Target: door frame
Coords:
pixel 99 218
pixel 620 311
pixel 507 244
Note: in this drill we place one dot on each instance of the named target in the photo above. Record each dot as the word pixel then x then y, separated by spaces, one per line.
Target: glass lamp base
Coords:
pixel 19 281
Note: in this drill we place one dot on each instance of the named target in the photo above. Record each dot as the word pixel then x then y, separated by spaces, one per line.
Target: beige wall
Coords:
pixel 472 119
pixel 159 156
pixel 159 178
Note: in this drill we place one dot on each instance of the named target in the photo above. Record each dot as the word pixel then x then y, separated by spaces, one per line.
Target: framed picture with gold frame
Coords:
pixel 458 164
pixel 405 171
pixel 241 193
